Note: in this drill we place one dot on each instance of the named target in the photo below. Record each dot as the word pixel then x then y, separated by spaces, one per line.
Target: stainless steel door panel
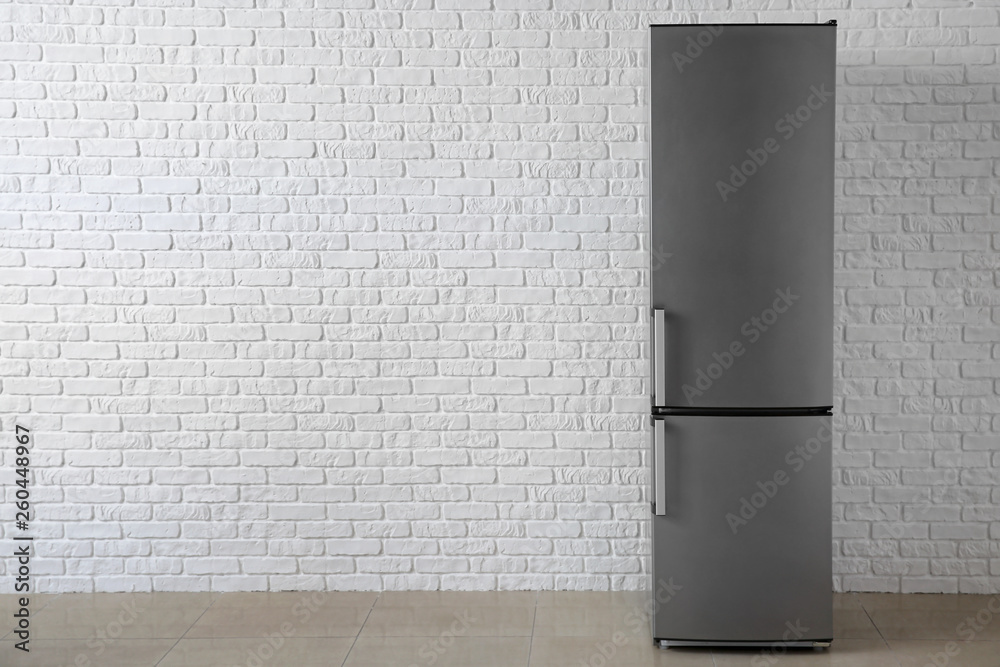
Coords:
pixel 741 199
pixel 744 544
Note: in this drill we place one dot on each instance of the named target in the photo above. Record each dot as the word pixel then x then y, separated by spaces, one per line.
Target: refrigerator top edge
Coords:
pixel 829 24
pixel 660 412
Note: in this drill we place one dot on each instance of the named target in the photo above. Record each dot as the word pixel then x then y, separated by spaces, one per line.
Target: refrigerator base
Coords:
pixel 671 643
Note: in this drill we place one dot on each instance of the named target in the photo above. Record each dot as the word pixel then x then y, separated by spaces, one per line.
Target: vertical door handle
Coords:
pixel 659 357
pixel 659 468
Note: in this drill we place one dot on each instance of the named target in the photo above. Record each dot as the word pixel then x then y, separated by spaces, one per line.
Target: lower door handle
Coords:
pixel 659 468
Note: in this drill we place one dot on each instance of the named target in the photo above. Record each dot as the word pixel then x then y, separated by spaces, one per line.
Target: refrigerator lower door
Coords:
pixel 743 550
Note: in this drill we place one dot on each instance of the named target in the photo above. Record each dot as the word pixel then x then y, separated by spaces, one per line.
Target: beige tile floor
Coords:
pixel 452 629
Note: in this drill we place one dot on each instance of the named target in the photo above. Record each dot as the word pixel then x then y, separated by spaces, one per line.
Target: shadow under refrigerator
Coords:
pixel 741 251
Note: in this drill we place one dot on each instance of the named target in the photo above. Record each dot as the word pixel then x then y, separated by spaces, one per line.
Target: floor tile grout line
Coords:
pixel 183 634
pixel 885 641
pixel 531 638
pixel 872 621
pixel 358 636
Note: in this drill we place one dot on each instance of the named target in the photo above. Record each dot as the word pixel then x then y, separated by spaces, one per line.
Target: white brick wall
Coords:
pixel 352 296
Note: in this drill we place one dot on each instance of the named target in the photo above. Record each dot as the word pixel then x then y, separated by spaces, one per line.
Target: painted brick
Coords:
pixel 331 272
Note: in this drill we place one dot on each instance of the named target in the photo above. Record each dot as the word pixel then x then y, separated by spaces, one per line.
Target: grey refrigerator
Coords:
pixel 741 249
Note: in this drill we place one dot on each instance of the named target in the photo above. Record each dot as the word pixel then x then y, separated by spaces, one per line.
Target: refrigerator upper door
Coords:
pixel 741 198
pixel 745 542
